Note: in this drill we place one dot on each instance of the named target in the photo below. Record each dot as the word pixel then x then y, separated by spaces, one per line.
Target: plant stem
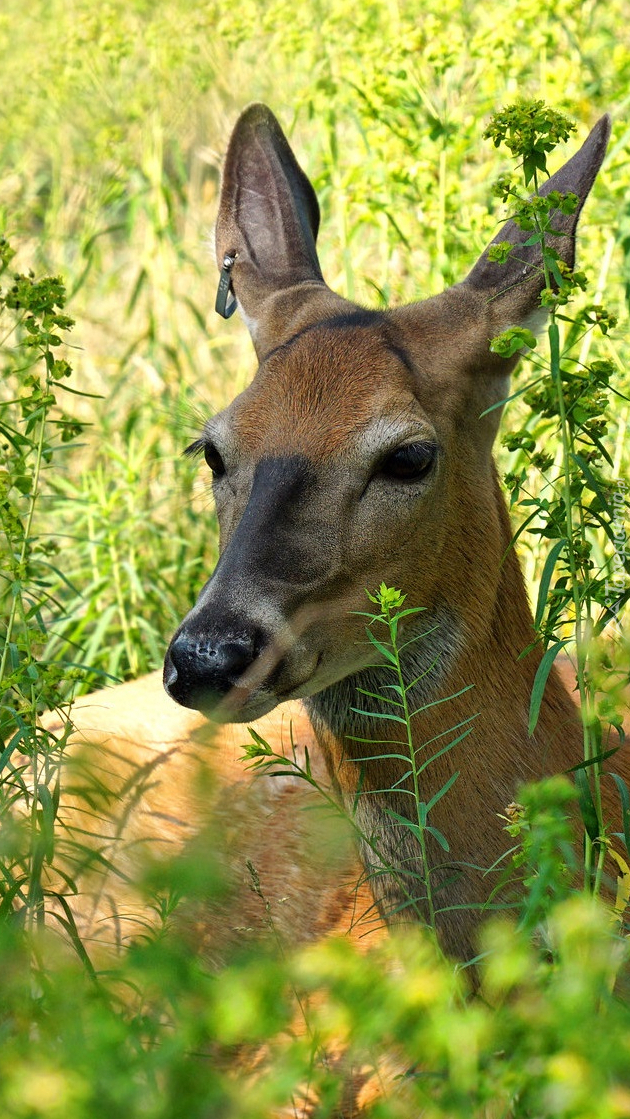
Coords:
pixel 579 595
pixel 414 768
pixel 19 566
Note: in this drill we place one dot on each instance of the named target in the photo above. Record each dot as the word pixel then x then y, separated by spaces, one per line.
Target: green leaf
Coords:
pixel 380 757
pixel 506 399
pixel 47 820
pixel 379 715
pixel 438 796
pixel 595 760
pixel 405 821
pixel 511 341
pixel 592 482
pixel 386 652
pixel 554 345
pixel 540 680
pixel 389 700
pixel 258 748
pixel 449 746
pixel 69 925
pixel 624 797
pixel 7 905
pixel 545 580
pixel 410 610
pixel 442 699
pixel 443 842
pixel 500 251
pixel 587 807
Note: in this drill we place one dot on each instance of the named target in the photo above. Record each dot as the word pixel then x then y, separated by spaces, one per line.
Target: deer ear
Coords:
pixel 513 289
pixel 268 219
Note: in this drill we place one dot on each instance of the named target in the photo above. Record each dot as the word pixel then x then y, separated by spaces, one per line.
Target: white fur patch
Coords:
pixel 250 323
pixel 535 321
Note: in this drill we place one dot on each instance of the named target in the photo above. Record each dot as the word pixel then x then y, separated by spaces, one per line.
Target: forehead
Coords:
pixel 325 388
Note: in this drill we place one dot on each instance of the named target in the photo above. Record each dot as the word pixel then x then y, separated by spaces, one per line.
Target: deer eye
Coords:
pixel 409 463
pixel 211 455
pixel 214 460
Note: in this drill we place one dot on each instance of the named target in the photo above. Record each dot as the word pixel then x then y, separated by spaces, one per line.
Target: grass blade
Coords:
pixel 624 797
pixel 540 681
pixel 545 580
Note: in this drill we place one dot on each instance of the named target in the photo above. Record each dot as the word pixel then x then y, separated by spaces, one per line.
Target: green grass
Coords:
pixel 113 125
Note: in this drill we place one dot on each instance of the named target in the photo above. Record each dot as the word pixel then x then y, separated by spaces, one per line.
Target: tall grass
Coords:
pixel 114 119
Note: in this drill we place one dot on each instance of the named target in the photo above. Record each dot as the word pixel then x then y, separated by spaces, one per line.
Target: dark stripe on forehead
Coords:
pixel 361 319
pixel 339 322
pixel 399 352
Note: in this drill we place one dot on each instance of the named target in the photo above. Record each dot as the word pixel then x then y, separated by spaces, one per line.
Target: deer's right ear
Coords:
pixel 268 219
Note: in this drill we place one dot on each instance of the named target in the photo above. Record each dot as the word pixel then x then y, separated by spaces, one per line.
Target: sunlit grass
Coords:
pixel 113 125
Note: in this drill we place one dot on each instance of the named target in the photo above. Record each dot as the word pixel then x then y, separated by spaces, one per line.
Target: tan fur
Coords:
pixel 146 778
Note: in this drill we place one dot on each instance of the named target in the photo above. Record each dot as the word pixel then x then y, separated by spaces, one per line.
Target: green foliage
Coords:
pixel 109 164
pixel 530 129
pixel 545 1036
pixel 114 118
pixel 515 340
pixel 399 701
pixel 574 504
pixel 545 857
pixel 35 433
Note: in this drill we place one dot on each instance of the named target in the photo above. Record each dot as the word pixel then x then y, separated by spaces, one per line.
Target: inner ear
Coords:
pixel 268 213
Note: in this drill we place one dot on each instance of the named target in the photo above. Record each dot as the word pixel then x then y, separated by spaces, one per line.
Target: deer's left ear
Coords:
pixel 513 289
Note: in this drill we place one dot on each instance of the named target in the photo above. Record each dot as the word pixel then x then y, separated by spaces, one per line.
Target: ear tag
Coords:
pixel 225 304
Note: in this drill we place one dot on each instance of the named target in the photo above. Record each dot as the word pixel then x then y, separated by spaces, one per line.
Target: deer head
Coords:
pixel 359 453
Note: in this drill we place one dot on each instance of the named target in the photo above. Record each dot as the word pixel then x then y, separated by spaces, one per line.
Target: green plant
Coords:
pixel 397 706
pixel 35 431
pixel 112 121
pixel 575 501
pixel 127 572
pixel 416 886
pixel 546 1036
pixel 118 191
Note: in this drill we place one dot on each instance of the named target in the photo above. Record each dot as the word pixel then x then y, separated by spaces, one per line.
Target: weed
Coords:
pixel 35 432
pixel 575 501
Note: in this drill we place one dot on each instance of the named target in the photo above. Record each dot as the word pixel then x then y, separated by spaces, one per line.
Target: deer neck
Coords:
pixel 472 699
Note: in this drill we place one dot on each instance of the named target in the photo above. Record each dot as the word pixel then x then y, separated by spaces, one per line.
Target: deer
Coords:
pixel 360 453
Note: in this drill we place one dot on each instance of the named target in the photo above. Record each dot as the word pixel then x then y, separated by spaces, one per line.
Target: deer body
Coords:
pixel 362 452
pixel 148 781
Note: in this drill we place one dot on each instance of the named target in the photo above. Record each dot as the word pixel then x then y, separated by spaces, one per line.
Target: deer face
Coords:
pixel 359 454
pixel 327 477
pixel 340 467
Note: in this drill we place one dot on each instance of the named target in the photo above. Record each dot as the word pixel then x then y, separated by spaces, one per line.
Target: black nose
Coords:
pixel 199 671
